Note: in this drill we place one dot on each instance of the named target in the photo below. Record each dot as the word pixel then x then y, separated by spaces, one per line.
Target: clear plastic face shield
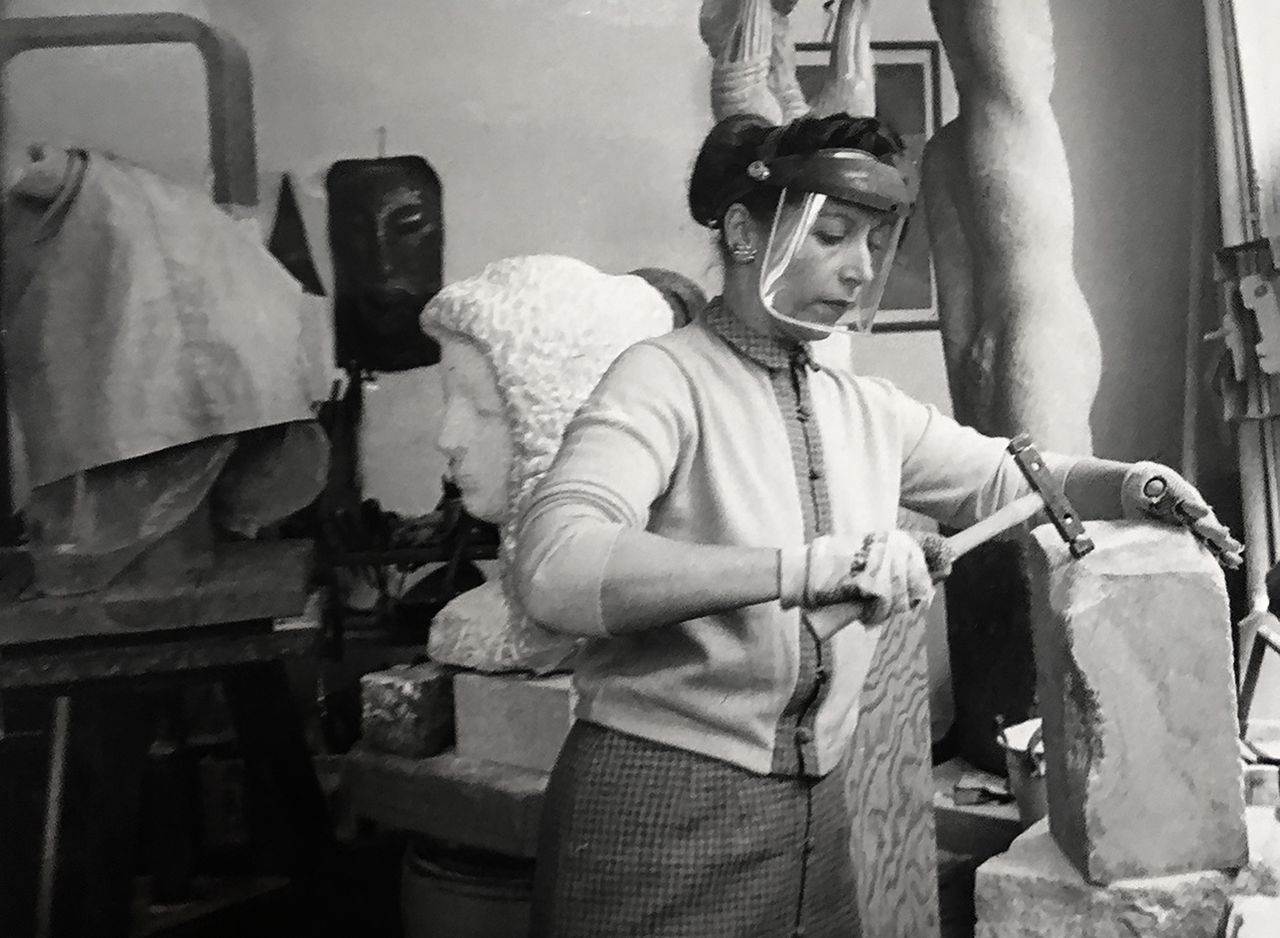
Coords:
pixel 833 240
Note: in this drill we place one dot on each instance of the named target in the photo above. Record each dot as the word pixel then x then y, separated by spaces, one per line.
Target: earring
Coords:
pixel 742 253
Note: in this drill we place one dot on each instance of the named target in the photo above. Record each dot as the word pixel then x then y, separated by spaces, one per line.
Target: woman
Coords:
pixel 722 508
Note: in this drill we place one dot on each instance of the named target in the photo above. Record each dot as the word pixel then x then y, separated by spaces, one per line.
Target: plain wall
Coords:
pixel 570 125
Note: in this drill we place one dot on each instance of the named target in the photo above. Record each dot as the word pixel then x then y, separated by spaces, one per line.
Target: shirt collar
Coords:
pixel 767 351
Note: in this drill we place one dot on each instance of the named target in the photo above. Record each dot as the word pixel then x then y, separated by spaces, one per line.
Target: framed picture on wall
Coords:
pixel 908 78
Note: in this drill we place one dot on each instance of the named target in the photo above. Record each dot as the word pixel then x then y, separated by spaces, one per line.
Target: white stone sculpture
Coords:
pixel 523 344
pixel 755 64
pixel 1021 347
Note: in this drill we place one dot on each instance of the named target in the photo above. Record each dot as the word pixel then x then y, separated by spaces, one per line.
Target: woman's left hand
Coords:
pixel 1154 491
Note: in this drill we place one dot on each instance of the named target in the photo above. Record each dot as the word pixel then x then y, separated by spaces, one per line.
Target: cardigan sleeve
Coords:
pixel 955 474
pixel 617 458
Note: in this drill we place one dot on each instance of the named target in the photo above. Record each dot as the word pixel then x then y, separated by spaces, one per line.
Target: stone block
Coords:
pixel 511 719
pixel 1254 917
pixel 1135 683
pixel 407 710
pixel 1034 891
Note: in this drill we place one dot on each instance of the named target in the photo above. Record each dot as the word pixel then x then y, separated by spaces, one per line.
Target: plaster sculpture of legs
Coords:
pixel 755 66
pixel 1021 349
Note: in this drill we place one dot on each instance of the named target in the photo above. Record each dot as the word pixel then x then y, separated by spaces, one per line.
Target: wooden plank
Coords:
pixel 1234 168
pixel 1242 36
pixel 247 580
pixel 254 905
pixel 58 668
pixel 1257 35
pixel 890 788
pixel 476 804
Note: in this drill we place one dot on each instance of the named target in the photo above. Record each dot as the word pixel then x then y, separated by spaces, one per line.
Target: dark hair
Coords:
pixel 683 295
pixel 720 179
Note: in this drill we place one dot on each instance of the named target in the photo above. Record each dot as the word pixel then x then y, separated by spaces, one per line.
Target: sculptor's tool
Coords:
pixel 941 552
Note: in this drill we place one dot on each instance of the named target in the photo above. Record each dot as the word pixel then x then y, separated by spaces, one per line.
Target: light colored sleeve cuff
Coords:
pixel 793 574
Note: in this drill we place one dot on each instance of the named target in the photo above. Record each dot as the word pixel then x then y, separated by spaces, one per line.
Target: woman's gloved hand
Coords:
pixel 1156 492
pixel 871 579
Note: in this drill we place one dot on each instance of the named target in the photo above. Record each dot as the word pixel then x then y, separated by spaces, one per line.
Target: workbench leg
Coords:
pixel 287 811
pixel 24 759
pixel 99 749
pixel 172 786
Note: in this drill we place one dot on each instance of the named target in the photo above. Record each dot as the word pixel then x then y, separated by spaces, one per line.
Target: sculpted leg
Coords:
pixel 1021 348
pixel 948 201
pixel 1034 332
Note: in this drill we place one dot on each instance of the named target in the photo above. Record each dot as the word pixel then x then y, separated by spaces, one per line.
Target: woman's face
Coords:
pixel 835 259
pixel 474 434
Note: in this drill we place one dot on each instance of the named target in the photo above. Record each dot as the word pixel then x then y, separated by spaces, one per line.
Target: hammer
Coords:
pixel 940 552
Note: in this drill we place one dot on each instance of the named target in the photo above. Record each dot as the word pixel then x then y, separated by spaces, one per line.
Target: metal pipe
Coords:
pixel 229 81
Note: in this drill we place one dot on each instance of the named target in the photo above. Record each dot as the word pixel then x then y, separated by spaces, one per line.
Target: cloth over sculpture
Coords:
pixel 154 349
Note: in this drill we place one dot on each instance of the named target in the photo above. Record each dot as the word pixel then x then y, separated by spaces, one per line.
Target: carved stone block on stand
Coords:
pixel 512 719
pixel 407 710
pixel 1134 661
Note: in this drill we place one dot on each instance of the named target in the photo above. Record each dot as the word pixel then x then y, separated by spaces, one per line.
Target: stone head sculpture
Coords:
pixel 522 343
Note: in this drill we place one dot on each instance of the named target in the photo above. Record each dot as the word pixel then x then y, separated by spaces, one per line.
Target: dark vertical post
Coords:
pixel 8 529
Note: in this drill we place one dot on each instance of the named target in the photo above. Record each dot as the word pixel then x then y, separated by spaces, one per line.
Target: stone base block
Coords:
pixel 1254 917
pixel 407 710
pixel 1033 891
pixel 481 805
pixel 513 720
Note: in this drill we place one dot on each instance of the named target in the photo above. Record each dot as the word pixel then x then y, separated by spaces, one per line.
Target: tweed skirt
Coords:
pixel 642 839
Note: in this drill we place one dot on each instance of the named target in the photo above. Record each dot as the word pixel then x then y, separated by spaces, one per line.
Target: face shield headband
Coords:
pixel 836 180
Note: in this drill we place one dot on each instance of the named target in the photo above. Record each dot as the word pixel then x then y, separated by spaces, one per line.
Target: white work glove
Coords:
pixel 1156 492
pixel 845 580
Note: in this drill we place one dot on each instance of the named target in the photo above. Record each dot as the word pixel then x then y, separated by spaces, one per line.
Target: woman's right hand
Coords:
pixel 883 574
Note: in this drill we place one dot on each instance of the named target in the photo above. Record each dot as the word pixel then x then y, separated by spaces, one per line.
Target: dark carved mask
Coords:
pixel 386 230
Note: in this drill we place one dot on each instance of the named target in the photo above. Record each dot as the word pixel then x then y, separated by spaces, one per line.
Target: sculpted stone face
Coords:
pixel 475 433
pixel 387 236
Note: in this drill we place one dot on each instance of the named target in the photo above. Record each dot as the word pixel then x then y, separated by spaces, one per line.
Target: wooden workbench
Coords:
pixel 101 660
